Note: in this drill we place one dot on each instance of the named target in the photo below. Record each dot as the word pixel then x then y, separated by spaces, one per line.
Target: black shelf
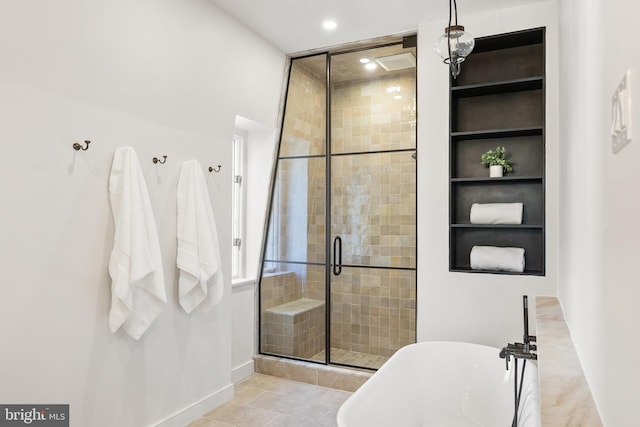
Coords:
pixel 513 273
pixel 497 180
pixel 511 40
pixel 498 99
pixel 506 86
pixel 499 226
pixel 498 133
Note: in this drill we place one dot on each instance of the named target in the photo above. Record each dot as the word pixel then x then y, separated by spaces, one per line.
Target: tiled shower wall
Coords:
pixel 304 124
pixel 302 182
pixel 374 115
pixel 374 211
pixel 373 205
pixel 373 310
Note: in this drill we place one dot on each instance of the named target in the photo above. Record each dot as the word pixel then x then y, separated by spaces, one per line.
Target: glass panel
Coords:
pixel 373 182
pixel 304 128
pixel 292 312
pixel 292 292
pixel 373 314
pixel 373 198
pixel 297 224
pixel 373 109
pixel 373 204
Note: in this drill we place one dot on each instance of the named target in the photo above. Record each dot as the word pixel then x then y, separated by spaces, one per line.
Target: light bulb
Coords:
pixel 456 40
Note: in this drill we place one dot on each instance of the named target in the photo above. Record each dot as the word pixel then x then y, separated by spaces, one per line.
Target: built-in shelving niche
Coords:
pixel 498 99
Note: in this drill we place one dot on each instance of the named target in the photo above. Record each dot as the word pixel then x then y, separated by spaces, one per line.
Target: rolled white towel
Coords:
pixel 496 213
pixel 497 258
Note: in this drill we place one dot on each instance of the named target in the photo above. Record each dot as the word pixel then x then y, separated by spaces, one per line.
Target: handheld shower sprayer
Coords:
pixel 527 339
pixel 525 351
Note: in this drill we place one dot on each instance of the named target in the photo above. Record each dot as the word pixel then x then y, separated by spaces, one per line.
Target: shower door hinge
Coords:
pixel 237 242
pixel 237 179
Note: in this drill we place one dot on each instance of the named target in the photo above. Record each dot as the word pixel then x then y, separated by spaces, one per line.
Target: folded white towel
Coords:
pixel 496 213
pixel 496 258
pixel 201 282
pixel 135 266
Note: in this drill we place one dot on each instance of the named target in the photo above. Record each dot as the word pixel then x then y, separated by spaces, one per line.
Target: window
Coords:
pixel 238 195
pixel 271 250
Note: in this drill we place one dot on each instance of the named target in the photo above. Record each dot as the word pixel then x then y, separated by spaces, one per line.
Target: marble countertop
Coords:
pixel 565 398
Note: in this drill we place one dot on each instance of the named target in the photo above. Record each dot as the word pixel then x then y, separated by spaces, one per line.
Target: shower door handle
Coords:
pixel 337 256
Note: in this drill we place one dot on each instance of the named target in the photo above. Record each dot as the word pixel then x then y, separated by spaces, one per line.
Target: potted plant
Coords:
pixel 497 162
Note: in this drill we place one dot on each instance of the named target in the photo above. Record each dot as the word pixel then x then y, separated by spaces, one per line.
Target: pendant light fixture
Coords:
pixel 455 44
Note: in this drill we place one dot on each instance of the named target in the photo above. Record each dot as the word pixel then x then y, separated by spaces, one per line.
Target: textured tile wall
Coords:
pixel 373 310
pixel 374 115
pixel 373 205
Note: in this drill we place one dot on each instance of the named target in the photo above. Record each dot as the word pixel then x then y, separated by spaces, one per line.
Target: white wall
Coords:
pixel 480 308
pixel 243 328
pixel 260 145
pixel 168 78
pixel 600 202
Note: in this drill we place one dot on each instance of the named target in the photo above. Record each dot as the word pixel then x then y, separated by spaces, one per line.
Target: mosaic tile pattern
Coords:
pixel 296 328
pixel 292 323
pixel 353 358
pixel 374 115
pixel 373 209
pixel 301 200
pixel 373 310
pixel 304 126
pixel 279 288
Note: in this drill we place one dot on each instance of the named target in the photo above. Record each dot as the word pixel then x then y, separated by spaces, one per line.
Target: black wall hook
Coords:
pixel 77 146
pixel 212 169
pixel 162 162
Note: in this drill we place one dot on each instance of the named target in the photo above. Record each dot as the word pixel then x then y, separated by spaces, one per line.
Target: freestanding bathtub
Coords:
pixel 438 384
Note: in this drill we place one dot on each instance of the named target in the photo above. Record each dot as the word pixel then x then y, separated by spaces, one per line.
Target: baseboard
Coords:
pixel 242 372
pixel 198 409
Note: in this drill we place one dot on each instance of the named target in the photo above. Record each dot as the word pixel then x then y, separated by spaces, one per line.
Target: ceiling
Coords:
pixel 296 25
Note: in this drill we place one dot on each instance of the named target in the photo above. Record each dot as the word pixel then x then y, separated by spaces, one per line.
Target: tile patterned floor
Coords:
pixel 265 401
pixel 353 358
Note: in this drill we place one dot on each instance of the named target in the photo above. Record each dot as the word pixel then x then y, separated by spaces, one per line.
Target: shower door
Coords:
pixel 338 281
pixel 373 204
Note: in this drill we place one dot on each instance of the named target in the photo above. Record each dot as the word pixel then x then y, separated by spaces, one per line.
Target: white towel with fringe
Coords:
pixel 198 258
pixel 497 258
pixel 496 213
pixel 135 266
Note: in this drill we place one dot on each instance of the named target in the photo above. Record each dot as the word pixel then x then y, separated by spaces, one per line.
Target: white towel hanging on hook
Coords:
pixel 198 258
pixel 137 290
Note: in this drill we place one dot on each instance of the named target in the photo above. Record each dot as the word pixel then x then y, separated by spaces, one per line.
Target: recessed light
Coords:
pixel 364 60
pixel 371 66
pixel 329 24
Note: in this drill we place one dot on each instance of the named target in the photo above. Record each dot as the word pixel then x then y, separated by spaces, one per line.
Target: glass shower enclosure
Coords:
pixel 338 279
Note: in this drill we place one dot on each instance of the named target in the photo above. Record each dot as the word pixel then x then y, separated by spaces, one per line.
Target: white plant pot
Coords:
pixel 495 171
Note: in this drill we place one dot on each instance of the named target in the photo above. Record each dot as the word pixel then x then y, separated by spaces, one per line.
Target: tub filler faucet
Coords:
pixel 518 351
pixel 524 350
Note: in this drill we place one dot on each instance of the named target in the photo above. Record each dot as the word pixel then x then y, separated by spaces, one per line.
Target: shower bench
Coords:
pixel 295 328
